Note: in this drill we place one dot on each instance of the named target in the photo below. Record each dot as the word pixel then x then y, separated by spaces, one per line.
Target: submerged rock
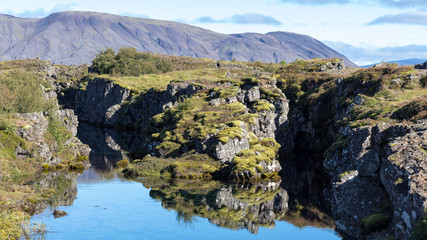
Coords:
pixel 59 214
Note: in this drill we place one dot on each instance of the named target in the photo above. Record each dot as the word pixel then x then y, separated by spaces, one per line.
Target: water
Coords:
pixel 107 206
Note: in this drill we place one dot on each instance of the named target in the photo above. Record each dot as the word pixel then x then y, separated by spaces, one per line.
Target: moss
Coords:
pixel 148 166
pixel 224 140
pixel 419 232
pixel 341 175
pixel 10 224
pixel 78 166
pixel 339 144
pixel 123 163
pixel 227 91
pixel 267 94
pixel 375 222
pixel 230 133
pixel 263 105
pixel 248 118
pixel 168 147
pixel 194 169
pixel 398 181
pixel 249 159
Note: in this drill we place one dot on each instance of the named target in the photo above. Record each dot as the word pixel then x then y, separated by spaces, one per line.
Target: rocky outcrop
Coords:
pixel 421 65
pixel 101 100
pixel 109 104
pixel 33 127
pixel 374 165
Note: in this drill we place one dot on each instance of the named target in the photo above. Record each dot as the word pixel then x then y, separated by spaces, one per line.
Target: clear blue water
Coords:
pixel 110 207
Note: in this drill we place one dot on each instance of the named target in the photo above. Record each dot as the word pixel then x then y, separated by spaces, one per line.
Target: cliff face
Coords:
pixel 383 169
pixel 350 123
pixel 33 127
pixel 256 120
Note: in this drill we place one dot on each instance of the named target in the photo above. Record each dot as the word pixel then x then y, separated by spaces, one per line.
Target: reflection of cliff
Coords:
pixel 59 187
pixel 105 151
pixel 241 206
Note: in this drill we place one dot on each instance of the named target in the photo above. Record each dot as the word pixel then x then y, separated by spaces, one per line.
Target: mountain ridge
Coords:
pixel 401 62
pixel 76 37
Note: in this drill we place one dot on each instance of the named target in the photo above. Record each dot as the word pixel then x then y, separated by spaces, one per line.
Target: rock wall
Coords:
pixel 33 127
pixel 375 165
pixel 106 103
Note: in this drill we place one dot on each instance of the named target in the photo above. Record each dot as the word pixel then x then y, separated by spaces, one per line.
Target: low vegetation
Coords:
pixel 24 90
pixel 420 230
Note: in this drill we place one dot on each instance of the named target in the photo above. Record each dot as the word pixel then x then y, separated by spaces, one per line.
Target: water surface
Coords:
pixel 107 206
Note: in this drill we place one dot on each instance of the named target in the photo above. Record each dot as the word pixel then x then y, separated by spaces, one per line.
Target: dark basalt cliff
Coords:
pixel 76 37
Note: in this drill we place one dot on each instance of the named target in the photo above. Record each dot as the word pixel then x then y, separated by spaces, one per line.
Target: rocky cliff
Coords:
pixel 350 122
pixel 378 179
pixel 235 122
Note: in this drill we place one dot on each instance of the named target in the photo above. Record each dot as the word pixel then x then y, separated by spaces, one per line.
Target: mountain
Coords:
pixel 76 37
pixel 401 62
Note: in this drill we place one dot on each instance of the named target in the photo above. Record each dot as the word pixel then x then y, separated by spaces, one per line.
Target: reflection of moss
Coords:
pixel 189 199
pixel 255 195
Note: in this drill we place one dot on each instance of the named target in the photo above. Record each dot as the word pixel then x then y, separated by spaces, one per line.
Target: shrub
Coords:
pixel 129 62
pixel 104 61
pixel 21 92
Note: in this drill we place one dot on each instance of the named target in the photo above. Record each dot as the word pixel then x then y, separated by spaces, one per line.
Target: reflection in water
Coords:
pixel 234 206
pixel 59 186
pixel 105 151
pixel 247 206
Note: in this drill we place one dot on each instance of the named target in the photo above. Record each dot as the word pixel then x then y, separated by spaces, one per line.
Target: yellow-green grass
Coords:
pixel 143 83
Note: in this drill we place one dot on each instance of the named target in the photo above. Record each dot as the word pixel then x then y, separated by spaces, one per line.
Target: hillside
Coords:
pixel 76 37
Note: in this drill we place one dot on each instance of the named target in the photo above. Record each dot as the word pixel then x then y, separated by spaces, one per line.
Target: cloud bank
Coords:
pixel 388 3
pixel 247 18
pixel 39 13
pixel 368 55
pixel 418 18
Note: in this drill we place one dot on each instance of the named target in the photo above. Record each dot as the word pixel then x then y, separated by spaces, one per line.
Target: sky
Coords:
pixel 366 31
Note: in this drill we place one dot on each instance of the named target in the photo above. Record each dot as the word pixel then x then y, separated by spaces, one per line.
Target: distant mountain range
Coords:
pixel 76 37
pixel 401 62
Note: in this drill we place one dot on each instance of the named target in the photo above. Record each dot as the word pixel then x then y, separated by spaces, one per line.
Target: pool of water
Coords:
pixel 102 204
pixel 114 208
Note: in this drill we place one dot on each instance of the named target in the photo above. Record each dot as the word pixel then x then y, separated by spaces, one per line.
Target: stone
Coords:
pixel 58 213
pixel 421 65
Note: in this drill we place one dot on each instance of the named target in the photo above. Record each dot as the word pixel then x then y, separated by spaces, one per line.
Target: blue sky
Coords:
pixel 365 30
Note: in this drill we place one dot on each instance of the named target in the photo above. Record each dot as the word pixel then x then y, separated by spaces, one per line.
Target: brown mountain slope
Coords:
pixel 76 37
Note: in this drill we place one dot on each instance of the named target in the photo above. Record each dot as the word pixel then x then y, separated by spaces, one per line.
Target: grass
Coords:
pixel 143 83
